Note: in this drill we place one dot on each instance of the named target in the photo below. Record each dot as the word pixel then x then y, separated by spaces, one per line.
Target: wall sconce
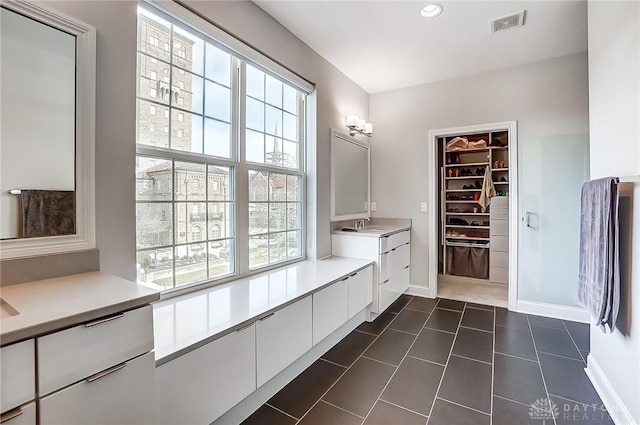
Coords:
pixel 358 125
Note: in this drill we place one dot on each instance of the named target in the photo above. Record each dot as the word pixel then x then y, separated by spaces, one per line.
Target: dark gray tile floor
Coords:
pixel 445 362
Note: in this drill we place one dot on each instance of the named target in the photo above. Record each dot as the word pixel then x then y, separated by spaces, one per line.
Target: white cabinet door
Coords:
pixel 386 295
pixel 112 397
pixel 283 337
pixel 17 374
pixel 24 415
pixel 198 387
pixel 330 309
pixel 360 290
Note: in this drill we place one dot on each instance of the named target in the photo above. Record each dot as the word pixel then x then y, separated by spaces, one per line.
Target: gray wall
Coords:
pixel 614 105
pixel 547 98
pixel 115 22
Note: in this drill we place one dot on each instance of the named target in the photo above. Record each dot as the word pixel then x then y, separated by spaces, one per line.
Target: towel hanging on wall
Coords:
pixel 599 271
pixel 47 213
pixel 488 190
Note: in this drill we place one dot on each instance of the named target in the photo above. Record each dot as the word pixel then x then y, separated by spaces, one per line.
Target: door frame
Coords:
pixel 432 205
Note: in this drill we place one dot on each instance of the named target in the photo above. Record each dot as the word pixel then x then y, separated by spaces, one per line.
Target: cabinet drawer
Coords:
pixel 73 354
pixel 394 240
pixel 360 290
pixel 498 213
pixel 499 243
pixel 384 266
pixel 499 228
pixel 501 202
pixel 498 258
pixel 330 309
pixel 386 295
pixel 25 415
pixel 283 337
pixel 17 374
pixel 499 274
pixel 198 387
pixel 402 257
pixel 124 396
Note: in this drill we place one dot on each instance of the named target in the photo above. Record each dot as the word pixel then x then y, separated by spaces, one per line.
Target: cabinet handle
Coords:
pixel 407 266
pixel 386 281
pixel 394 249
pixel 344 278
pixel 245 327
pixel 11 414
pixel 267 316
pixel 103 320
pixel 106 372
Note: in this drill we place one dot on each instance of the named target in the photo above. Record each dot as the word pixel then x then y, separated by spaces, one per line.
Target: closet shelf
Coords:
pixel 470 213
pixel 500 169
pixel 500 182
pixel 465 177
pixel 468 164
pixel 462 201
pixel 476 150
pixel 463 237
pixel 466 226
pixel 469 245
pixel 463 190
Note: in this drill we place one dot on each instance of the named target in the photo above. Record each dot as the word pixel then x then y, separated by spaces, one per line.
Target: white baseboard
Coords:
pixel 574 314
pixel 418 291
pixel 615 407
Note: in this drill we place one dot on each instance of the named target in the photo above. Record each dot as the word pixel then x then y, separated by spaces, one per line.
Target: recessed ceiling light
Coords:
pixel 431 10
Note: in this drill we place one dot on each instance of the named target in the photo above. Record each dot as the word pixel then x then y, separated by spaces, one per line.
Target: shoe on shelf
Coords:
pixel 503 179
pixel 478 185
pixel 479 172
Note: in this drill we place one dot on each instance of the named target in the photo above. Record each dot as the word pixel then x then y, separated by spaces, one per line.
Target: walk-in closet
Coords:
pixel 473 257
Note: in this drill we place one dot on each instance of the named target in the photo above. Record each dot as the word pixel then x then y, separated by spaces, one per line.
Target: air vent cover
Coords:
pixel 506 22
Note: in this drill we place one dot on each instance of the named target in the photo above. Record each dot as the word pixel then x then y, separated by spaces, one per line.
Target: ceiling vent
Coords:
pixel 506 22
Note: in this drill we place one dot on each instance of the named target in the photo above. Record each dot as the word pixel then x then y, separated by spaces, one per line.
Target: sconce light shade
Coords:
pixel 368 129
pixel 359 125
pixel 352 121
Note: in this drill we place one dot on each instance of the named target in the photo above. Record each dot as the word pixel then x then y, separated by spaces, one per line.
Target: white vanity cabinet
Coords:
pixel 392 254
pixel 17 375
pixel 360 290
pixel 330 309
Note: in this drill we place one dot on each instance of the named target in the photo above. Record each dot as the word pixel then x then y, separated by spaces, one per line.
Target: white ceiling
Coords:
pixel 386 45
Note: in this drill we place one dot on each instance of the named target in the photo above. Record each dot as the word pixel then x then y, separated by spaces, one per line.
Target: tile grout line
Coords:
pixel 462 405
pixel 367 333
pixel 544 381
pixel 574 342
pixel 341 408
pixel 424 360
pixel 444 371
pixel 401 407
pixel 405 332
pixel 477 329
pixel 515 357
pixel 397 368
pixel 493 364
pixel 470 358
pixel 281 411
pixel 333 363
pixel 449 309
pixel 378 361
pixel 440 330
pixel 562 357
pixel 345 371
pixel 512 401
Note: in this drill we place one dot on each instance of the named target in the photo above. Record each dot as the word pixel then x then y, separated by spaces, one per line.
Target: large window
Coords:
pixel 228 163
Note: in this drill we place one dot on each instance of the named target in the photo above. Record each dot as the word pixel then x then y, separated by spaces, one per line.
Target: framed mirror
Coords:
pixel 47 200
pixel 350 177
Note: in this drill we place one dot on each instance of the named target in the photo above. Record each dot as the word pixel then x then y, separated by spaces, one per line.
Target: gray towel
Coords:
pixel 599 272
pixel 48 213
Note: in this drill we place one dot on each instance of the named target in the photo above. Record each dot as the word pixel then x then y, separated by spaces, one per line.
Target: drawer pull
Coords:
pixel 407 266
pixel 11 414
pixel 344 278
pixel 103 320
pixel 106 372
pixel 245 327
pixel 386 281
pixel 267 316
pixel 352 275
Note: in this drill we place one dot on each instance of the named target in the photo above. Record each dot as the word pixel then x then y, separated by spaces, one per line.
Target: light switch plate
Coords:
pixel 373 206
pixel 423 207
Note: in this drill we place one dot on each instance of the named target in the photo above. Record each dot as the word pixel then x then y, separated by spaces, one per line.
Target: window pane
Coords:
pixel 187 91
pixel 294 244
pixel 258 251
pixel 273 121
pixel 186 131
pixel 217 101
pixel 219 184
pixel 153 124
pixel 254 146
pixel 277 187
pixel 190 221
pixel 274 153
pixel 255 114
pixel 191 263
pixel 154 225
pixel 290 100
pixel 221 261
pixel 188 51
pixel 220 220
pixel 153 179
pixel 156 266
pixel 258 218
pixel 153 33
pixel 290 155
pixel 189 181
pixel 277 216
pixel 217 138
pixel 277 247
pixel 218 66
pixel 255 83
pixel 150 83
pixel 273 91
pixel 293 216
pixel 290 127
pixel 258 186
pixel 293 193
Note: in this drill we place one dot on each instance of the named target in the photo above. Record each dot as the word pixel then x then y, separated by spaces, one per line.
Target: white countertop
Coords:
pixel 48 305
pixel 375 230
pixel 184 323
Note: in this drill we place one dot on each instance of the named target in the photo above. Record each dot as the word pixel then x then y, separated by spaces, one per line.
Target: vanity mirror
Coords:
pixel 350 177
pixel 47 106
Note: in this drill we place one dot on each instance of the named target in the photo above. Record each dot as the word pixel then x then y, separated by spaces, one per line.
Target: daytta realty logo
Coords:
pixel 544 410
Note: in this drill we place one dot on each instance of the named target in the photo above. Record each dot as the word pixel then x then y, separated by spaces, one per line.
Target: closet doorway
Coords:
pixel 473 227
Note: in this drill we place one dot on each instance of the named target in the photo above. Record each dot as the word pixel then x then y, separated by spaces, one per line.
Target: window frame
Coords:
pixel 237 163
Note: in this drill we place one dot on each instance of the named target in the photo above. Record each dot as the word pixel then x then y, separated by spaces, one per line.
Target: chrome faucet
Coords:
pixel 359 224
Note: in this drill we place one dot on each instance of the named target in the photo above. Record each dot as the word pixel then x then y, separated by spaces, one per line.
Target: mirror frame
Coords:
pixel 85 236
pixel 340 137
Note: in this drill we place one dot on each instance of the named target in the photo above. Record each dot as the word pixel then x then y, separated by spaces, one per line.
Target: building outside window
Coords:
pixel 187 194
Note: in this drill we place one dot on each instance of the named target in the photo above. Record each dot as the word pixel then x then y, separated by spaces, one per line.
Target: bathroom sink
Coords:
pixel 6 310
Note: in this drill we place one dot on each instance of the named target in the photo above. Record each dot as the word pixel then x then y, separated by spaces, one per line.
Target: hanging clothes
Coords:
pixel 488 190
